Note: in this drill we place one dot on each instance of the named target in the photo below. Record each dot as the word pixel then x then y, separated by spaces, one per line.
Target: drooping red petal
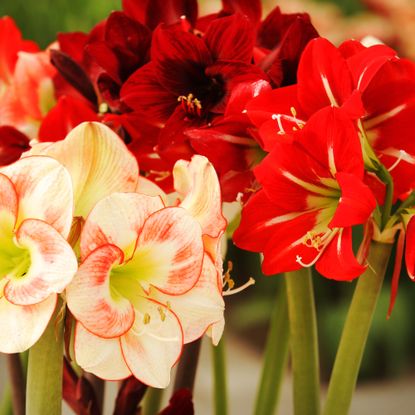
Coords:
pixel 231 38
pixel 323 77
pixel 356 202
pixel 338 261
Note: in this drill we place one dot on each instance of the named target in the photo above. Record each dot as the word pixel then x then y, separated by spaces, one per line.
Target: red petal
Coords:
pixel 231 38
pixel 338 261
pixel 170 11
pixel 356 203
pixel 410 248
pixel 66 115
pixel 250 8
pixel 323 77
pixel 73 44
pixel 12 144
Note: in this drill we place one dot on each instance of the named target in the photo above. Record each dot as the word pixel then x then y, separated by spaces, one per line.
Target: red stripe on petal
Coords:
pixel 91 300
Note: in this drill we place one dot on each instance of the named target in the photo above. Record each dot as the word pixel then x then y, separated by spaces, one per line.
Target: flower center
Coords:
pixel 14 260
pixel 191 105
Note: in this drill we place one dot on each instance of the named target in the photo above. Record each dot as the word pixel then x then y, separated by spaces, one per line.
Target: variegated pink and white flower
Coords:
pixel 36 261
pixel 146 284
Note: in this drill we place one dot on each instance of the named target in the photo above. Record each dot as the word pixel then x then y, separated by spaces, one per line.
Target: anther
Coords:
pixel 147 318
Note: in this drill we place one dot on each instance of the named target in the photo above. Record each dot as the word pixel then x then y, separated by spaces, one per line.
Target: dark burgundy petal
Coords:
pixel 64 116
pixel 105 58
pixel 12 144
pixel 250 8
pixel 180 403
pixel 129 396
pixel 170 11
pixel 338 261
pixel 143 92
pixel 179 60
pixel 74 74
pixel 231 38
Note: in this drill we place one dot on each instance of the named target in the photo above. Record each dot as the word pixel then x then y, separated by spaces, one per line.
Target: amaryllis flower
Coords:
pixel 355 78
pixel 37 263
pixel 312 194
pixel 154 274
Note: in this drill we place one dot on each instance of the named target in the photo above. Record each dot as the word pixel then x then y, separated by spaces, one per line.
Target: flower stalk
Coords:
pixel 17 380
pixel 355 332
pixel 220 380
pixel 276 354
pixel 152 401
pixel 304 342
pixel 45 370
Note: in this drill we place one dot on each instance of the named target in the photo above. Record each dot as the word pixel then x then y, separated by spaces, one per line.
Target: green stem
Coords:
pixel 44 376
pixel 355 331
pixel 6 406
pixel 220 382
pixel 186 370
pixel 18 382
pixel 303 340
pixel 152 401
pixel 276 354
pixel 386 178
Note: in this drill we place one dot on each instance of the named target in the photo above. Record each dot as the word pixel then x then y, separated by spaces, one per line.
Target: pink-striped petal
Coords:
pixel 102 357
pixel 8 204
pixel 90 299
pixel 169 251
pixel 200 307
pixel 198 183
pixel 98 162
pixel 22 326
pixel 52 264
pixel 154 343
pixel 44 189
pixel 117 220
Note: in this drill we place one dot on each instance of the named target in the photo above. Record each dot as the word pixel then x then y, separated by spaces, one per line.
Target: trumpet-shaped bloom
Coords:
pixel 36 262
pixel 313 193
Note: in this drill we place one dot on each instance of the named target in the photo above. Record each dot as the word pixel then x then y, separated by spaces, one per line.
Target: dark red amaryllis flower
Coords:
pixel 358 79
pixel 12 144
pixel 193 72
pixel 312 194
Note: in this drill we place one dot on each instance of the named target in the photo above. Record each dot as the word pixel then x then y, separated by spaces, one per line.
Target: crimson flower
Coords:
pixel 312 194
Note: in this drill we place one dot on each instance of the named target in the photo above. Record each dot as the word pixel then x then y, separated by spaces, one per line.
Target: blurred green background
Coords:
pixel 389 350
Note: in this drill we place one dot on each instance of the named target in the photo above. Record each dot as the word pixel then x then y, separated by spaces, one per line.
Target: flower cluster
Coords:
pixel 119 146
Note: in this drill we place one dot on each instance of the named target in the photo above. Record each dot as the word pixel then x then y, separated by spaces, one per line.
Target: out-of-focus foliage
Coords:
pixel 40 20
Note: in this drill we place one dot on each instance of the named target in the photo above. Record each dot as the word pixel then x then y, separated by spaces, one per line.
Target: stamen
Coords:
pixel 190 104
pixel 161 175
pixel 146 319
pixel 227 280
pixel 103 108
pixel 162 313
pixel 277 117
pixel 403 155
pixel 229 291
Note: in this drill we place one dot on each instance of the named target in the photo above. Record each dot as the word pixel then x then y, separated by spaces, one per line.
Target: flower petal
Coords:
pixel 169 251
pixel 52 264
pixel 198 183
pixel 8 204
pixel 338 261
pixel 200 307
pixel 90 299
pixel 102 357
pixel 44 189
pixel 98 162
pixel 22 326
pixel 410 248
pixel 355 204
pixel 117 220
pixel 150 350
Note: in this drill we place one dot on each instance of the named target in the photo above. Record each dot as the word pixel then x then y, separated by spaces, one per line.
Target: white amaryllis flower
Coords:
pixel 36 262
pixel 147 283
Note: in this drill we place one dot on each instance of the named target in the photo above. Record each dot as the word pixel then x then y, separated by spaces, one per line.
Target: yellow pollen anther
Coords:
pixel 147 318
pixel 162 313
pixel 190 104
pixel 103 108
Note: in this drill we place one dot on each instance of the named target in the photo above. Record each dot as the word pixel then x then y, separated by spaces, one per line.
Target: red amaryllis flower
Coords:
pixel 192 72
pixel 12 144
pixel 357 79
pixel 313 193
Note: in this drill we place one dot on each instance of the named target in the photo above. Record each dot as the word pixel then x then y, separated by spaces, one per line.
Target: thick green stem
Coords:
pixel 385 176
pixel 276 354
pixel 6 406
pixel 18 382
pixel 152 401
pixel 44 375
pixel 220 382
pixel 303 340
pixel 186 370
pixel 355 331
